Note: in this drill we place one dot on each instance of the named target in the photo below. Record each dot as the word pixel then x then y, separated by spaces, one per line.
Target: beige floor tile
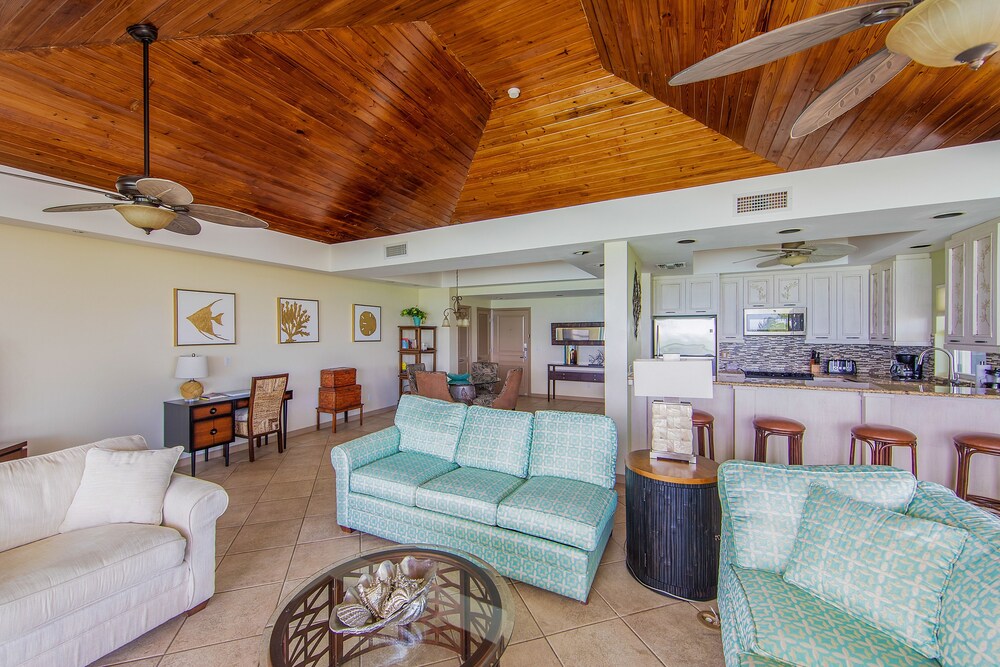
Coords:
pixel 608 644
pixel 525 627
pixel 230 615
pixel 147 662
pixel 239 653
pixel 224 539
pixel 620 513
pixel 234 516
pixel 296 474
pixel 310 558
pixel 613 553
pixel 216 476
pixel 369 542
pixel 623 593
pixel 248 477
pixel 677 637
pixel 535 653
pixel 324 485
pixel 256 536
pixel 242 495
pixel 319 528
pixel 555 613
pixel 253 569
pixel 322 504
pixel 153 643
pixel 419 656
pixel 278 510
pixel 286 590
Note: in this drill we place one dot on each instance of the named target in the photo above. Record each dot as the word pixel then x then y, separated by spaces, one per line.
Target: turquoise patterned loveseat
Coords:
pixel 533 495
pixel 930 597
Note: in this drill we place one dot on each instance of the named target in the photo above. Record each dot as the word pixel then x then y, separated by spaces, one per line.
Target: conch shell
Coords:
pixel 393 589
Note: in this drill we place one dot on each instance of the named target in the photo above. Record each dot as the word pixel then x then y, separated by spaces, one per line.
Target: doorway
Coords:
pixel 484 349
pixel 463 340
pixel 511 334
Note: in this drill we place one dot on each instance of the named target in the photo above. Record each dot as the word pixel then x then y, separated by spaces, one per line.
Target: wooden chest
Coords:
pixel 335 399
pixel 338 377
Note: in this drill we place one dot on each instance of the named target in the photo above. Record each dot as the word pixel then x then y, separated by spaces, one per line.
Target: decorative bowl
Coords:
pixel 396 595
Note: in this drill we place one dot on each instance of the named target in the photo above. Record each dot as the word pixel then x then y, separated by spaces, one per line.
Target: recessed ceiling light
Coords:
pixel 514 92
pixel 686 241
pixel 582 252
pixel 793 230
pixel 951 214
pixel 922 245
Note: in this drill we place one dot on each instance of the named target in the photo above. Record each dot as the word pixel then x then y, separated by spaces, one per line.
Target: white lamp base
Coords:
pixel 673 437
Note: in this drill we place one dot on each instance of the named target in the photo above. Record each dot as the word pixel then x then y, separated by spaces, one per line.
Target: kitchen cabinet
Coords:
pixel 757 291
pixel 690 295
pixel 900 301
pixel 730 310
pixel 789 290
pixel 821 323
pixel 852 306
pixel 972 272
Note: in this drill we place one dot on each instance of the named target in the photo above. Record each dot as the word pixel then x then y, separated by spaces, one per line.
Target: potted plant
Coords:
pixel 414 312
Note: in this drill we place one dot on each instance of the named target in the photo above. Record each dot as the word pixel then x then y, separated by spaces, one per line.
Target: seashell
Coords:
pixel 385 571
pixel 353 615
pixel 374 596
pixel 397 600
pixel 415 569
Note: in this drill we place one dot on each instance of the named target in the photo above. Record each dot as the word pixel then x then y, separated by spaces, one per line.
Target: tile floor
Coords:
pixel 281 528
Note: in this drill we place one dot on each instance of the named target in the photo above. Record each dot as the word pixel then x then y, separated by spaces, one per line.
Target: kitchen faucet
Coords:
pixel 952 375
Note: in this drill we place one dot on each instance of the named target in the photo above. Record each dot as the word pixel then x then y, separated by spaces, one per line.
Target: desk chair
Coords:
pixel 263 416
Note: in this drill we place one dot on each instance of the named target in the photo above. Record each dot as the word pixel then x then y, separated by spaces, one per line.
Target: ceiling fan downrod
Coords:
pixel 145 33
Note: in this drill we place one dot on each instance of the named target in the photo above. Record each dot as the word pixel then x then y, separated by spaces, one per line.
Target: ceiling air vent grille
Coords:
pixel 758 202
pixel 397 250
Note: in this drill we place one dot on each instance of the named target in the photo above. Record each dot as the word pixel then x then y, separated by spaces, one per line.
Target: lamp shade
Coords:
pixel 942 33
pixel 145 216
pixel 191 367
pixel 681 378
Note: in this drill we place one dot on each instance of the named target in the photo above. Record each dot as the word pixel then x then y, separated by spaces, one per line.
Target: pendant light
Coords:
pixel 455 310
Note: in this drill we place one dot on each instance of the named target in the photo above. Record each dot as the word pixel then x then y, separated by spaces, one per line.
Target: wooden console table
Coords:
pixel 201 425
pixel 566 373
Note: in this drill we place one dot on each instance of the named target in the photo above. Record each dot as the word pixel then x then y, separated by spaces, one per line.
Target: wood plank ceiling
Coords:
pixel 351 119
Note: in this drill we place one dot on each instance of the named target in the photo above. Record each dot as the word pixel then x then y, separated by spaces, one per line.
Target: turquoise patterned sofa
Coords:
pixel 533 495
pixel 935 598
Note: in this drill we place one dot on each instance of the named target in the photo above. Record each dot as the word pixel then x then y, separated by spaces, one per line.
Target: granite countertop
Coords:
pixel 870 385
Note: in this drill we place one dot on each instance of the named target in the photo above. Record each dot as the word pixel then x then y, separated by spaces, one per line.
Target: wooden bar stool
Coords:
pixel 765 427
pixel 968 444
pixel 703 423
pixel 880 440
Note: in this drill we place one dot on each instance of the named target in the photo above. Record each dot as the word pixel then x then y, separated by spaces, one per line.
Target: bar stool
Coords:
pixel 968 444
pixel 765 427
pixel 880 440
pixel 703 423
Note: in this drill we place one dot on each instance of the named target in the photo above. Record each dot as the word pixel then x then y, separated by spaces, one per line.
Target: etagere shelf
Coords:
pixel 417 354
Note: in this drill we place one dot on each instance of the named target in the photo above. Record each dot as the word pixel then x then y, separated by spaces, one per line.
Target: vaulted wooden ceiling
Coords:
pixel 356 119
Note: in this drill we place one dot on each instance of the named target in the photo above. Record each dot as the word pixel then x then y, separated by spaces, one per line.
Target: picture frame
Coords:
pixel 367 323
pixel 298 320
pixel 202 317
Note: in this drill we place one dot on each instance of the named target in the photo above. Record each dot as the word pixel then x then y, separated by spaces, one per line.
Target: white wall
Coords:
pixel 86 335
pixel 620 265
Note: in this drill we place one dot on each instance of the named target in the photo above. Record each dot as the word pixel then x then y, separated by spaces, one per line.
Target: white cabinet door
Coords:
pixel 821 320
pixel 702 294
pixel 731 310
pixel 955 292
pixel 669 297
pixel 757 291
pixel 981 275
pixel 852 307
pixel 789 290
pixel 875 305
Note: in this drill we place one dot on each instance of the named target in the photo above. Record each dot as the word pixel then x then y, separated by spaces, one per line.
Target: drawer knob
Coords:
pixel 213 411
pixel 213 431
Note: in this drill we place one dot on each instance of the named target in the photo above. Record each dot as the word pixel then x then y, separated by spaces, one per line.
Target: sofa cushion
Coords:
pixel 397 477
pixel 575 446
pixel 764 502
pixel 793 626
pixel 497 440
pixel 468 493
pixel 564 510
pixel 429 426
pixel 886 568
pixel 46 579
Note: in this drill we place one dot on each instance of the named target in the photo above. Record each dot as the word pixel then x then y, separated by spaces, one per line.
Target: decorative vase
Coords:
pixel 417 321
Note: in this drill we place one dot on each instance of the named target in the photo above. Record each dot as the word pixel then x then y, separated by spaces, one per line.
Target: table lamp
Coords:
pixel 672 379
pixel 191 368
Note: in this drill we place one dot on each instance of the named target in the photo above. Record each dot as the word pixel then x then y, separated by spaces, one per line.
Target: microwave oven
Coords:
pixel 774 322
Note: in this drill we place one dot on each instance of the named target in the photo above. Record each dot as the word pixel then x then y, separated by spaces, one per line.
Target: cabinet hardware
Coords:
pixel 980 341
pixel 213 411
pixel 213 431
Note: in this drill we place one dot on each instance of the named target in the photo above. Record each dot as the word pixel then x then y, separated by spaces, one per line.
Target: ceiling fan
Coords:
pixel 153 203
pixel 936 33
pixel 794 253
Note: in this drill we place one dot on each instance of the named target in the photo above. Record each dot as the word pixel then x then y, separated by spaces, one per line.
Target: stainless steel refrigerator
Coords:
pixel 688 336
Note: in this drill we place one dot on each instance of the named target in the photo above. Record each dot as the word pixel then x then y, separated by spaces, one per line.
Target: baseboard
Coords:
pixel 589 399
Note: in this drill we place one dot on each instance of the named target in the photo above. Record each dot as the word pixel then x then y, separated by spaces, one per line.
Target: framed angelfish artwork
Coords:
pixel 204 318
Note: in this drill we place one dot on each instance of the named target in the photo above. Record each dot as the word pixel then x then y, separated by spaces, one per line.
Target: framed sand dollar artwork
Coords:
pixel 204 318
pixel 298 320
pixel 367 323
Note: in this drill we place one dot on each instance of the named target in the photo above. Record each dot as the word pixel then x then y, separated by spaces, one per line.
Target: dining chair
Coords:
pixel 485 374
pixel 433 385
pixel 263 415
pixel 507 398
pixel 411 375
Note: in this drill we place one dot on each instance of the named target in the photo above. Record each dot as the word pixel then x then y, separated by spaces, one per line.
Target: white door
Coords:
pixel 484 329
pixel 463 341
pixel 512 343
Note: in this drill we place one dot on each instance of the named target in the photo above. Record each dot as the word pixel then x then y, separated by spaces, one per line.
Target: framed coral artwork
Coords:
pixel 367 323
pixel 204 318
pixel 298 320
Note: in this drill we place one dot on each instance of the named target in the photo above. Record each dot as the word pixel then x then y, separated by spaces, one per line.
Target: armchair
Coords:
pixel 433 385
pixel 485 374
pixel 507 398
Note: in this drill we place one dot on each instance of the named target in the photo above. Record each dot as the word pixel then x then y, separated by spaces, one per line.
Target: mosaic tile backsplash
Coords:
pixel 788 354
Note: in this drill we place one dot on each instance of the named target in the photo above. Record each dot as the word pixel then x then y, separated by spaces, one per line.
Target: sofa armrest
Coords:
pixel 355 454
pixel 191 507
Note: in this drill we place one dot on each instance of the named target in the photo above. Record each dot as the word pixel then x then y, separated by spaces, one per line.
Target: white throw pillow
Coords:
pixel 121 487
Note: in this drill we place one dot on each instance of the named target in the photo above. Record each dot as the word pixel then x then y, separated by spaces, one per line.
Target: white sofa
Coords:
pixel 68 599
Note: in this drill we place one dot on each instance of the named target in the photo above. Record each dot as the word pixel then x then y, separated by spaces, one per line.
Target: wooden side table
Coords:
pixel 360 407
pixel 673 518
pixel 11 451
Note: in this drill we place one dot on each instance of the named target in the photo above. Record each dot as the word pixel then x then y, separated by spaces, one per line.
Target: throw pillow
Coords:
pixel 459 378
pixel 121 487
pixel 886 568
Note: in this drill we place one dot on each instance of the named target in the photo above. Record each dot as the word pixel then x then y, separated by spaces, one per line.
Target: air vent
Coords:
pixel 397 250
pixel 761 201
pixel 673 265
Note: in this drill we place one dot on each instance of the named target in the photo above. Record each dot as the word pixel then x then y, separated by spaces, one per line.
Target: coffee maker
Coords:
pixel 904 368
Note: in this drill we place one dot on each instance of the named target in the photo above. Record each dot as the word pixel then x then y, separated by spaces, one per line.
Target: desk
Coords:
pixel 568 373
pixel 201 425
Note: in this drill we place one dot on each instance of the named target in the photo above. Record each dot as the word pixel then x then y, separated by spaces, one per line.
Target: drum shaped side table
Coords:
pixel 673 518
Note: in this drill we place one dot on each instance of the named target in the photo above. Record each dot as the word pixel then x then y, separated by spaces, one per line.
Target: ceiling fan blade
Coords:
pixel 168 192
pixel 784 41
pixel 824 258
pixel 838 249
pixel 850 90
pixel 110 195
pixel 76 208
pixel 184 224
pixel 225 216
pixel 754 259
pixel 770 262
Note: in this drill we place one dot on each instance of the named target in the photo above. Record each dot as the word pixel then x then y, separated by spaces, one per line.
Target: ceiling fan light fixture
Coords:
pixel 793 260
pixel 943 33
pixel 146 217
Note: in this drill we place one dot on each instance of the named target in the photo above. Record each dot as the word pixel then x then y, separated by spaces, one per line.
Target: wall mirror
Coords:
pixel 578 333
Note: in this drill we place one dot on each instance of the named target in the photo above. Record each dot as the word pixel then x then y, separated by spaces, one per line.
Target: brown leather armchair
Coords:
pixel 507 398
pixel 433 385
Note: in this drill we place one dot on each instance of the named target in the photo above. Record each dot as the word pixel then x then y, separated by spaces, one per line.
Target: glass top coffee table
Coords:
pixel 469 614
